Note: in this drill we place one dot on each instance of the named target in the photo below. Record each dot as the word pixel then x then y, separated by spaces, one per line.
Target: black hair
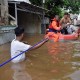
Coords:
pixel 19 31
pixel 66 13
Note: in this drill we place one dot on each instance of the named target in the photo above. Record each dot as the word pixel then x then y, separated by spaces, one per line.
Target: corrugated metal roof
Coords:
pixel 26 7
pixel 27 1
pixel 18 2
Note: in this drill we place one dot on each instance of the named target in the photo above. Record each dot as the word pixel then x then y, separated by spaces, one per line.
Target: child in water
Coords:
pixel 17 46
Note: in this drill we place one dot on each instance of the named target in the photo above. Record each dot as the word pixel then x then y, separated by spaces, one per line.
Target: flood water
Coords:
pixel 52 61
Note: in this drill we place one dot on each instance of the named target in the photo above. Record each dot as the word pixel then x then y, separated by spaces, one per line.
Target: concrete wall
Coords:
pixel 30 22
pixel 6 37
pixel 6 34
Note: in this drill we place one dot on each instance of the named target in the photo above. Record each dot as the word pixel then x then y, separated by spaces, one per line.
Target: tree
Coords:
pixel 55 6
pixel 4 11
pixel 52 5
pixel 73 5
pixel 36 2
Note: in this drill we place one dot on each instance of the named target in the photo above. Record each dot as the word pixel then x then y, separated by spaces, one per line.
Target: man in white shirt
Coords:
pixel 17 46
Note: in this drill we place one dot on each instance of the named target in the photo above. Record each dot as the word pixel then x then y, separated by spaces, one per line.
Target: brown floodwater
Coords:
pixel 52 61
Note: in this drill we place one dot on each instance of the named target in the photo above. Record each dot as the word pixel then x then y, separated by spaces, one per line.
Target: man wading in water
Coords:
pixel 17 46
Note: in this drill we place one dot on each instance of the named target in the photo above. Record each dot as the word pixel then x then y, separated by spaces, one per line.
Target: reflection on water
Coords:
pixel 74 76
pixel 52 61
pixel 60 51
pixel 19 72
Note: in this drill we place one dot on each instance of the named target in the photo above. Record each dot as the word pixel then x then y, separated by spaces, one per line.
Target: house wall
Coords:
pixel 6 34
pixel 31 22
pixel 6 37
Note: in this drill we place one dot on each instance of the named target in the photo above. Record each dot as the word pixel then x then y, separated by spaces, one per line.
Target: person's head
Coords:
pixel 66 15
pixel 57 17
pixel 19 32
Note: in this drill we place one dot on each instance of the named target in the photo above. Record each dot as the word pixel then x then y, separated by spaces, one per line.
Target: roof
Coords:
pixel 23 6
pixel 27 1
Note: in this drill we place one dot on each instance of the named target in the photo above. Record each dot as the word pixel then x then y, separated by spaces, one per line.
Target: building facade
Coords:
pixel 21 13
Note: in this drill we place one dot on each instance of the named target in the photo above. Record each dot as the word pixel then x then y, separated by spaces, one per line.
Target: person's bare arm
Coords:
pixel 70 21
pixel 40 44
pixel 61 21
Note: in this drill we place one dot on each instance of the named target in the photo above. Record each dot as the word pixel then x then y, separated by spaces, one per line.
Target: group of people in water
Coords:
pixel 56 27
pixel 63 26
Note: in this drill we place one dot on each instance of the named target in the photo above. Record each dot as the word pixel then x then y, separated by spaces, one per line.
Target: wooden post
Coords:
pixel 4 11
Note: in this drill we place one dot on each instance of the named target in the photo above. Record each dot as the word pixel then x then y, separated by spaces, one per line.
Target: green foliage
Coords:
pixel 73 5
pixel 54 6
pixel 36 2
pixel 54 11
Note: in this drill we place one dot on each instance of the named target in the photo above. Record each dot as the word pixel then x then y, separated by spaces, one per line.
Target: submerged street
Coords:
pixel 52 61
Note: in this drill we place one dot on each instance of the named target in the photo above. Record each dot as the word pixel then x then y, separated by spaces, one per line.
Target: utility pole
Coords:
pixel 4 11
pixel 43 19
